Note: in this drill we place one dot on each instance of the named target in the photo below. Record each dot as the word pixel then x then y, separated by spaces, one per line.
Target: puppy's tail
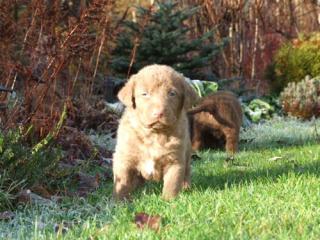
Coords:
pixel 211 109
pixel 202 108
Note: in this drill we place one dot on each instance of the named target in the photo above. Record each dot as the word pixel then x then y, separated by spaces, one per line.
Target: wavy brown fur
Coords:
pixel 150 146
pixel 215 122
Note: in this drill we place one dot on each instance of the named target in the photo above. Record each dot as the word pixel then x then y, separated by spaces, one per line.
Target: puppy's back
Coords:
pixel 224 105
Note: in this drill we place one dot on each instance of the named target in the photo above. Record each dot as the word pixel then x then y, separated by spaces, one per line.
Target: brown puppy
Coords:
pixel 216 121
pixel 153 141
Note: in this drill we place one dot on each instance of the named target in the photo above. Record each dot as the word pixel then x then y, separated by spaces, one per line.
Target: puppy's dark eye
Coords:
pixel 144 94
pixel 172 93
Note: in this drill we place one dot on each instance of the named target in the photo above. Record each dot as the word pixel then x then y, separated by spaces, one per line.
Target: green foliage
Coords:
pixel 302 99
pixel 19 163
pixel 258 109
pixel 25 165
pixel 161 36
pixel 294 61
pixel 203 88
pixel 7 189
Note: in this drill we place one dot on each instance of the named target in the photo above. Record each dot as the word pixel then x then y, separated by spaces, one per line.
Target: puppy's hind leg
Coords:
pixel 232 139
pixel 197 136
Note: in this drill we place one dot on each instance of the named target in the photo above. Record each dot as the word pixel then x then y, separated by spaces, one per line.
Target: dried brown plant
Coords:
pixel 256 29
pixel 51 53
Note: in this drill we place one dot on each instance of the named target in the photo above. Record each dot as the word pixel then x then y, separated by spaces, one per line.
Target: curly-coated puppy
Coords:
pixel 153 141
pixel 215 122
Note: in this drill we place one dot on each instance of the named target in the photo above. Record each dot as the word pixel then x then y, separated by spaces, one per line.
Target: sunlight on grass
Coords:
pixel 270 192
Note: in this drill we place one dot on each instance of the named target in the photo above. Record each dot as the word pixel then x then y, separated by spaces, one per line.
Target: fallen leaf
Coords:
pixel 6 215
pixel 143 220
pixel 274 159
pixel 26 196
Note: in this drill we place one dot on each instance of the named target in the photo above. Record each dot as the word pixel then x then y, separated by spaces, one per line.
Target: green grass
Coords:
pixel 271 192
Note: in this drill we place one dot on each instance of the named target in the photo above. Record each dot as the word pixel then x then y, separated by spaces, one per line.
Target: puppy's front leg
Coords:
pixel 173 179
pixel 125 181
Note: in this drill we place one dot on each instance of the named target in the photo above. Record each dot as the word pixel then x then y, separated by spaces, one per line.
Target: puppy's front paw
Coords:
pixel 168 196
pixel 186 185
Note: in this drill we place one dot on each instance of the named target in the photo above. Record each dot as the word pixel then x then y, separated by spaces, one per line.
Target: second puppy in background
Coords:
pixel 215 122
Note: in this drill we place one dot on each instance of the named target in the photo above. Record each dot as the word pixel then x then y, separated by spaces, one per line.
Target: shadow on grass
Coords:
pixel 275 144
pixel 234 177
pixel 237 174
pixel 242 176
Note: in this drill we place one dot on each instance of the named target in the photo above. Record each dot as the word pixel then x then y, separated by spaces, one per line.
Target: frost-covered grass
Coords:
pixel 103 140
pixel 280 132
pixel 271 192
pixel 45 221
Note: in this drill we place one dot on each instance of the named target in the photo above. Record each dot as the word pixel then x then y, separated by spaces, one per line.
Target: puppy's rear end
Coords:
pixel 217 117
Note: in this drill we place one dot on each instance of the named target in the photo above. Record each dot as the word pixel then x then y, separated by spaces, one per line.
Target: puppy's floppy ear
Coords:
pixel 126 93
pixel 190 96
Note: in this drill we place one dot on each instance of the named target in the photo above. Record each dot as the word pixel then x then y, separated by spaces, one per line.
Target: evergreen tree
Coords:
pixel 160 36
